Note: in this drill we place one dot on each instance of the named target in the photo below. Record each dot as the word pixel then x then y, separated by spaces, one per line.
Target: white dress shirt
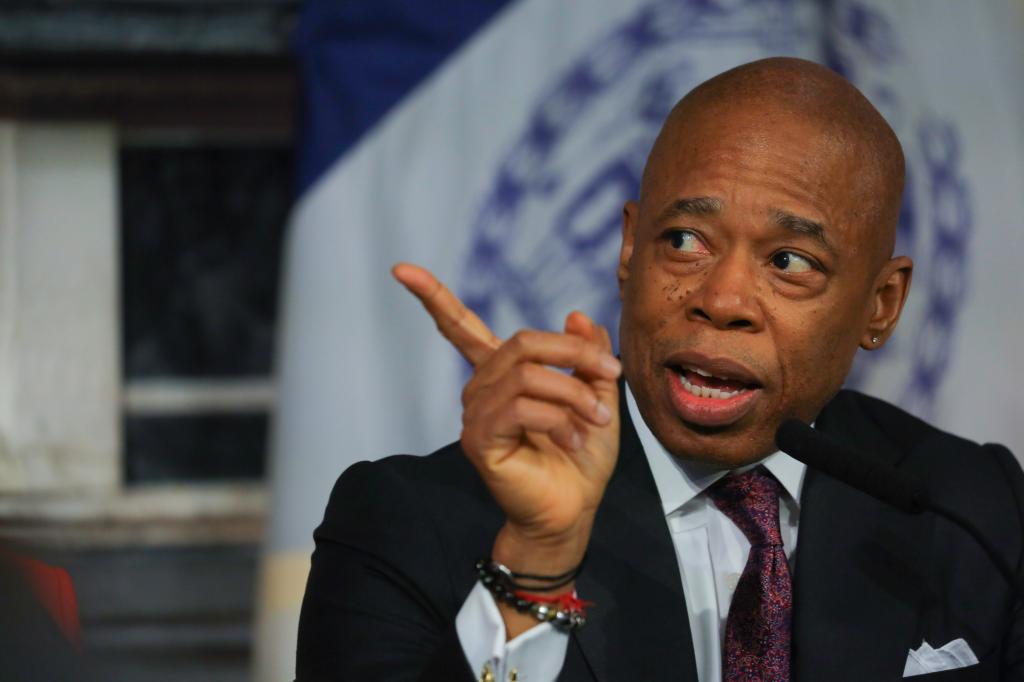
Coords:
pixel 711 551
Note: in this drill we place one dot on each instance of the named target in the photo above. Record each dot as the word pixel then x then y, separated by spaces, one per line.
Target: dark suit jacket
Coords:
pixel 394 556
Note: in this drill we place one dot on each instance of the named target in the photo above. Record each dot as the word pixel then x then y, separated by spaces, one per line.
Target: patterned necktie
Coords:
pixel 757 631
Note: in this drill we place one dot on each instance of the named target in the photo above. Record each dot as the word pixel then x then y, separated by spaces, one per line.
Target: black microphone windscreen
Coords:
pixel 872 475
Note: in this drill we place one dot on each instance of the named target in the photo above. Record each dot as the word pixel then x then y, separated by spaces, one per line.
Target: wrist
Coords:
pixel 524 552
pixel 544 555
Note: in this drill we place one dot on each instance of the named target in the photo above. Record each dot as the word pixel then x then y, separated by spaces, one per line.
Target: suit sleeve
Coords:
pixel 379 600
pixel 1013 659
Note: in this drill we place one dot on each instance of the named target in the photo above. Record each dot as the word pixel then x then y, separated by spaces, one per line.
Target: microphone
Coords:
pixel 872 475
pixel 881 480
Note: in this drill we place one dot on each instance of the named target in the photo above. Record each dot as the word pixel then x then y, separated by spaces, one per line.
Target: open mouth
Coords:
pixel 704 384
pixel 711 392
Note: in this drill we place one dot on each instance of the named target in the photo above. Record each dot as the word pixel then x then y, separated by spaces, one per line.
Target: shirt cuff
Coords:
pixel 535 656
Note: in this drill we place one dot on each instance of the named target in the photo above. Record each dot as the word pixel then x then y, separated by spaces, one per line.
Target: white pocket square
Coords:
pixel 951 656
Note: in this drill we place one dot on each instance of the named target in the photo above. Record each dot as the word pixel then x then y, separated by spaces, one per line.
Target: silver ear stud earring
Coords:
pixel 874 339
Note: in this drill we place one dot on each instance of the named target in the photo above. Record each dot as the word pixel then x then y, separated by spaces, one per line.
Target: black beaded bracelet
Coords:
pixel 570 574
pixel 549 582
pixel 498 579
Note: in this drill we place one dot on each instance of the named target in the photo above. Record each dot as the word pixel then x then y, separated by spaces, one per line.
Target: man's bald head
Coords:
pixel 759 255
pixel 763 94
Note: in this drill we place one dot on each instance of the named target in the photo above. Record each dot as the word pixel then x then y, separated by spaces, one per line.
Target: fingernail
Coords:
pixel 604 415
pixel 576 441
pixel 611 366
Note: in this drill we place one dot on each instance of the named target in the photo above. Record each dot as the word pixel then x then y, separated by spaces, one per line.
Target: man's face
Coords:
pixel 747 277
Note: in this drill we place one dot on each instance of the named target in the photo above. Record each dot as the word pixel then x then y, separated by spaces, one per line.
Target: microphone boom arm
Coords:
pixel 882 481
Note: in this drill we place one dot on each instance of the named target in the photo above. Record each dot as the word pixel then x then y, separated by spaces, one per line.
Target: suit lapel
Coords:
pixel 638 627
pixel 858 578
pixel 859 575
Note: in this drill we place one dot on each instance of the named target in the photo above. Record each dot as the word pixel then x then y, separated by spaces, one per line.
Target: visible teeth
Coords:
pixel 705 391
pixel 703 373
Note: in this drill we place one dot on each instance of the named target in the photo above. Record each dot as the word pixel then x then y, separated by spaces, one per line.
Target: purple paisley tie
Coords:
pixel 757 630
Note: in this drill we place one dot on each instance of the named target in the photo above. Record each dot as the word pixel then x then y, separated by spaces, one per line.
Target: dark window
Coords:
pixel 195 448
pixel 201 245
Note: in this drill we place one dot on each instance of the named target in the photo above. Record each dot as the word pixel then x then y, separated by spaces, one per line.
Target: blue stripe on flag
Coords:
pixel 360 58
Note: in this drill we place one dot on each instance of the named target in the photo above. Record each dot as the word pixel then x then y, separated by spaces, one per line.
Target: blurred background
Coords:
pixel 199 201
pixel 146 156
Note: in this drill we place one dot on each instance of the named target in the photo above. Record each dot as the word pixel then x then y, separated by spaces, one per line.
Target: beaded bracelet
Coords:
pixel 549 582
pixel 565 612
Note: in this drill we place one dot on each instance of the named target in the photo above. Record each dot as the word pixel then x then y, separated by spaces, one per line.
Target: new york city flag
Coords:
pixel 495 143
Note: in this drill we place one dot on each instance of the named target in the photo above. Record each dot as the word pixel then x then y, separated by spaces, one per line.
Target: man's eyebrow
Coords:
pixel 692 206
pixel 802 225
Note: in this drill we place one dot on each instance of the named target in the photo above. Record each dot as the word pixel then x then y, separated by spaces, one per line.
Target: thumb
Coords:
pixel 579 324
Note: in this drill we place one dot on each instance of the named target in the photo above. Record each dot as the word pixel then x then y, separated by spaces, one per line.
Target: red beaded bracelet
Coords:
pixel 569 602
pixel 565 612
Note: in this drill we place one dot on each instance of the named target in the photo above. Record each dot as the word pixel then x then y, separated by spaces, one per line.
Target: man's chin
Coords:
pixel 721 460
pixel 709 431
pixel 729 446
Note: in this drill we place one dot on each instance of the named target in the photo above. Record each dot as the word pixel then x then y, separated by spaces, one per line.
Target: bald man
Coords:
pixel 756 261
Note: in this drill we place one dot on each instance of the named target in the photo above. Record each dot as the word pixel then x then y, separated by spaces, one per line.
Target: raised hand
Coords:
pixel 544 443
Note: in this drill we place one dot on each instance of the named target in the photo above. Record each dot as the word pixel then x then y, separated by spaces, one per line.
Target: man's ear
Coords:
pixel 630 218
pixel 891 288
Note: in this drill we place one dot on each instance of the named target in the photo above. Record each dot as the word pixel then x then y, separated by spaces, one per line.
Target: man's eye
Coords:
pixel 788 261
pixel 685 241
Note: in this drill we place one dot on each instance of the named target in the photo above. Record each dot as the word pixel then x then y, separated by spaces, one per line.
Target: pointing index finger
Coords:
pixel 454 320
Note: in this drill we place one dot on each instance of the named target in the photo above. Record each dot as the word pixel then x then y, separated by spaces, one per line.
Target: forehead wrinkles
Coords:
pixel 732 174
pixel 804 165
pixel 827 161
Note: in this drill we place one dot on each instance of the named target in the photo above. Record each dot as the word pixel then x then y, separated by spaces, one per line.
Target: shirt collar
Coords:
pixel 680 481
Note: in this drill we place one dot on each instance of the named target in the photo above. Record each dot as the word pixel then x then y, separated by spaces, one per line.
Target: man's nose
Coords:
pixel 727 297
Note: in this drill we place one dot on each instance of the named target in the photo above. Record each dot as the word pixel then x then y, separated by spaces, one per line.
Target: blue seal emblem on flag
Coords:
pixel 546 237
